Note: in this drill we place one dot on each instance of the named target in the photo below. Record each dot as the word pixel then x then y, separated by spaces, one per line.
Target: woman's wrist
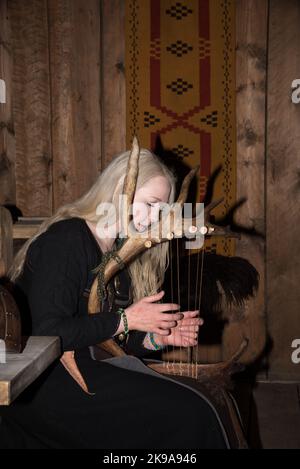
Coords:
pixel 123 327
pixel 130 321
pixel 122 330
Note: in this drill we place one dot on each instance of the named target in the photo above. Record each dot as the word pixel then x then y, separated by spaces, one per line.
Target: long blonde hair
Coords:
pixel 148 270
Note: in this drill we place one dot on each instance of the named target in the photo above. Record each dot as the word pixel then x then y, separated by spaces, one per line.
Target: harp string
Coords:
pixel 190 349
pixel 172 292
pixel 192 354
pixel 199 305
pixel 178 300
pixel 193 351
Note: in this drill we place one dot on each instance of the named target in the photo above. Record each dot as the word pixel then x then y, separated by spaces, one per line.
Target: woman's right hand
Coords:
pixel 147 316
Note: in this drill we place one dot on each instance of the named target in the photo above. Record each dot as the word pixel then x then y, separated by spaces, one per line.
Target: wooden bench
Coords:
pixel 21 369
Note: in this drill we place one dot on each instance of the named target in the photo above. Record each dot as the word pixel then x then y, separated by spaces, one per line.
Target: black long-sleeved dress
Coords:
pixel 128 409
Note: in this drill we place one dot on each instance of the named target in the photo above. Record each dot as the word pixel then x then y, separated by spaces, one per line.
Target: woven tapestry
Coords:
pixel 180 85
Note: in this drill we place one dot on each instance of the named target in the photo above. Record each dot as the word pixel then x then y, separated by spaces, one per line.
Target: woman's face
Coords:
pixel 147 201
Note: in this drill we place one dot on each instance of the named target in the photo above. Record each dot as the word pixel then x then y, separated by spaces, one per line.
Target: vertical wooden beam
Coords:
pixel 283 188
pixel 7 138
pixel 6 240
pixel 32 106
pixel 74 27
pixel 113 79
pixel 251 47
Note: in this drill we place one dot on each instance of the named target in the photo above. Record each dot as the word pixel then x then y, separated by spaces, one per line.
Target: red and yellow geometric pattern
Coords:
pixel 180 84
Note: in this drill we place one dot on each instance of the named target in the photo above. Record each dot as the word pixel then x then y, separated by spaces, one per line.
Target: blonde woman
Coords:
pixel 53 273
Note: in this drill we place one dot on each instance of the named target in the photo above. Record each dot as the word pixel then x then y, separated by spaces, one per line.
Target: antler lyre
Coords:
pixel 136 243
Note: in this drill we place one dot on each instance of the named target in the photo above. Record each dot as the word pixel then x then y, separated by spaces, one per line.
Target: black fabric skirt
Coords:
pixel 129 410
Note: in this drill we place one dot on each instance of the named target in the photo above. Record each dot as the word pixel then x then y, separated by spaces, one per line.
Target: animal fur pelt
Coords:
pixel 232 279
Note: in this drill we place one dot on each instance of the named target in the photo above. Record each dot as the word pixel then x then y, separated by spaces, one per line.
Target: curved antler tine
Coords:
pixel 215 230
pixel 185 185
pixel 130 181
pixel 213 205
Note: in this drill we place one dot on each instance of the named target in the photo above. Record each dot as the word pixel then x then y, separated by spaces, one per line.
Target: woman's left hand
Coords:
pixel 185 333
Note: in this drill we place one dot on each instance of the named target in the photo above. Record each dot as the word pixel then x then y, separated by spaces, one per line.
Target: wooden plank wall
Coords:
pixel 74 39
pixel 283 188
pixel 251 65
pixel 7 131
pixel 64 60
pixel 31 106
pixel 268 60
pixel 57 101
pixel 113 79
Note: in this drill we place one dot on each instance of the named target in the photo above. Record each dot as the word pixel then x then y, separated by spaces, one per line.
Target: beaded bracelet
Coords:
pixel 155 345
pixel 121 311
